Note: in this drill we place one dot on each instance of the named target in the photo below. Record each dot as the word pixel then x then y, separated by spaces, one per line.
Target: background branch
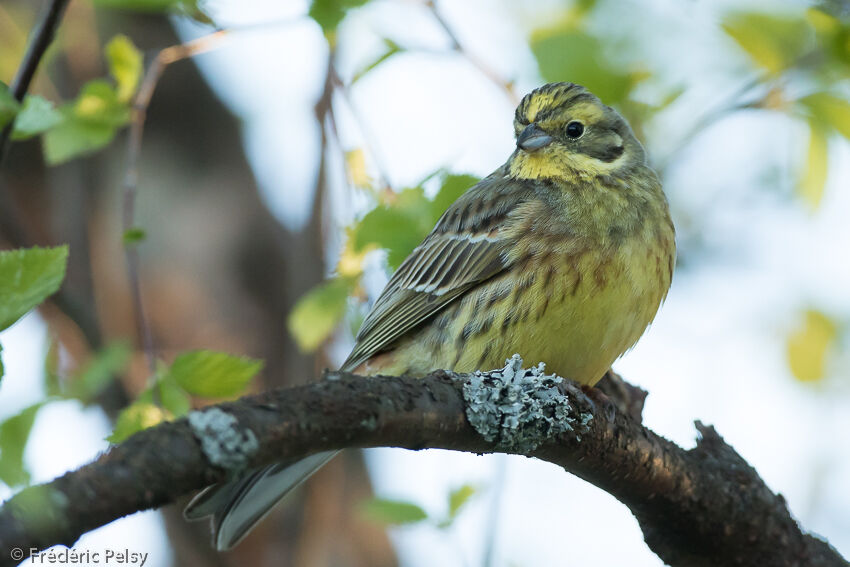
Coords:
pixel 700 507
pixel 42 37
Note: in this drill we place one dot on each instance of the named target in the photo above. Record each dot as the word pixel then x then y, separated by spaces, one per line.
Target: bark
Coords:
pixel 700 507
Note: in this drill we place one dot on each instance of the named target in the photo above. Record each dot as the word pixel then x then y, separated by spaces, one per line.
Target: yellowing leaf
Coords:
pixel 137 416
pixel 318 313
pixel 355 163
pixel 350 263
pixel 773 42
pixel 814 177
pixel 458 498
pixel 830 111
pixel 809 346
pixel 125 65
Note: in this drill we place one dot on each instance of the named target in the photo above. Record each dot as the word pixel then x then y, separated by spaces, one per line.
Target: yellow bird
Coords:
pixel 563 255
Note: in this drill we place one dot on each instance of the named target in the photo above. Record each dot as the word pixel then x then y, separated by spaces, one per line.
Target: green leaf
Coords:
pixel 89 123
pixel 318 313
pixel 9 107
pixel 814 177
pixel 173 397
pixel 2 368
pixel 575 56
pixel 37 115
pixel 74 138
pixel 810 346
pixel 398 228
pixel 137 416
pixel 453 187
pixel 125 66
pixel 28 277
pixel 90 381
pixel 212 374
pixel 829 110
pixel 391 48
pixel 392 512
pixel 134 235
pixel 14 433
pixel 773 42
pixel 329 13
pixel 458 498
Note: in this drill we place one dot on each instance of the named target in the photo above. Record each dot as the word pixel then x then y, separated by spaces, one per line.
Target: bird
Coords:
pixel 564 255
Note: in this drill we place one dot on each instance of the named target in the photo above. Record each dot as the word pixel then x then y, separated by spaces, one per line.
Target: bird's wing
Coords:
pixel 464 249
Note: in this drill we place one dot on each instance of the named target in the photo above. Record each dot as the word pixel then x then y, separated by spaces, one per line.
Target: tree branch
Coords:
pixel 700 507
pixel 42 37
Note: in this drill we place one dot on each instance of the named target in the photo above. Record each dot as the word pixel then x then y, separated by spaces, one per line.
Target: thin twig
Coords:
pixel 365 132
pixel 732 104
pixel 42 36
pixel 483 68
pixel 141 102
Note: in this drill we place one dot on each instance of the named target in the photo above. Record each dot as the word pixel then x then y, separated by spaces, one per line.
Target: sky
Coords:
pixel 716 350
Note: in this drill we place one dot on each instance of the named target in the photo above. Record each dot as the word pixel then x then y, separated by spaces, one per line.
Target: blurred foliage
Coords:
pixel 811 346
pixel 14 433
pixel 318 313
pixel 329 14
pixel 399 512
pixel 28 277
pixel 91 121
pixel 397 223
pixel 773 42
pixel 201 373
pixel 93 377
pixel 392 512
pixel 133 236
pixel 796 52
pixel 190 8
pixel 800 62
pixel 211 374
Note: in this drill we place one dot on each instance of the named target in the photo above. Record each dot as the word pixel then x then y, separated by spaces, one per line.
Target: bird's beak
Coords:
pixel 532 138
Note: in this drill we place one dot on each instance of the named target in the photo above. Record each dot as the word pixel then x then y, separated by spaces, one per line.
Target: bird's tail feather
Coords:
pixel 238 505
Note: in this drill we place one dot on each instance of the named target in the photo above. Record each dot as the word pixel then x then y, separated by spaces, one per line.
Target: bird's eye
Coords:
pixel 575 129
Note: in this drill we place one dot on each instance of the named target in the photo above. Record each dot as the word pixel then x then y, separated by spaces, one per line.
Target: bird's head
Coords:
pixel 564 131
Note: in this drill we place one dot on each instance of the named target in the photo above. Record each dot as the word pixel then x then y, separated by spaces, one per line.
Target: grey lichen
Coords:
pixel 224 443
pixel 520 408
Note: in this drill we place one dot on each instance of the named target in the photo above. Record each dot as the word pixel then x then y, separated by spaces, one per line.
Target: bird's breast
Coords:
pixel 576 311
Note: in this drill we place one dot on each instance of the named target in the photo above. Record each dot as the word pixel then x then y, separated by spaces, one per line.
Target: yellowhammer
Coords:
pixel 562 255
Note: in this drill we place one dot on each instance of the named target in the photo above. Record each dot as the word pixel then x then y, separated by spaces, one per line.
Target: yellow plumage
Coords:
pixel 562 255
pixel 579 251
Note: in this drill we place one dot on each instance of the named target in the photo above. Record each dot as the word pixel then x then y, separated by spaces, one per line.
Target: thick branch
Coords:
pixel 701 507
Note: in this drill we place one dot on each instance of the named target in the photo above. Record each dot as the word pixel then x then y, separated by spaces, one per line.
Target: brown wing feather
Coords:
pixel 464 249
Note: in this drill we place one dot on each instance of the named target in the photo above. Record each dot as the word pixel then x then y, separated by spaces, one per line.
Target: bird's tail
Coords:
pixel 238 505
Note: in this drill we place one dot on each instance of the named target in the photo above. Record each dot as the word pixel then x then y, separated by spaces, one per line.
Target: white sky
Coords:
pixel 716 350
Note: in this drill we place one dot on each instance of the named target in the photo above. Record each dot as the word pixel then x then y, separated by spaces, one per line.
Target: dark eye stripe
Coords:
pixel 608 154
